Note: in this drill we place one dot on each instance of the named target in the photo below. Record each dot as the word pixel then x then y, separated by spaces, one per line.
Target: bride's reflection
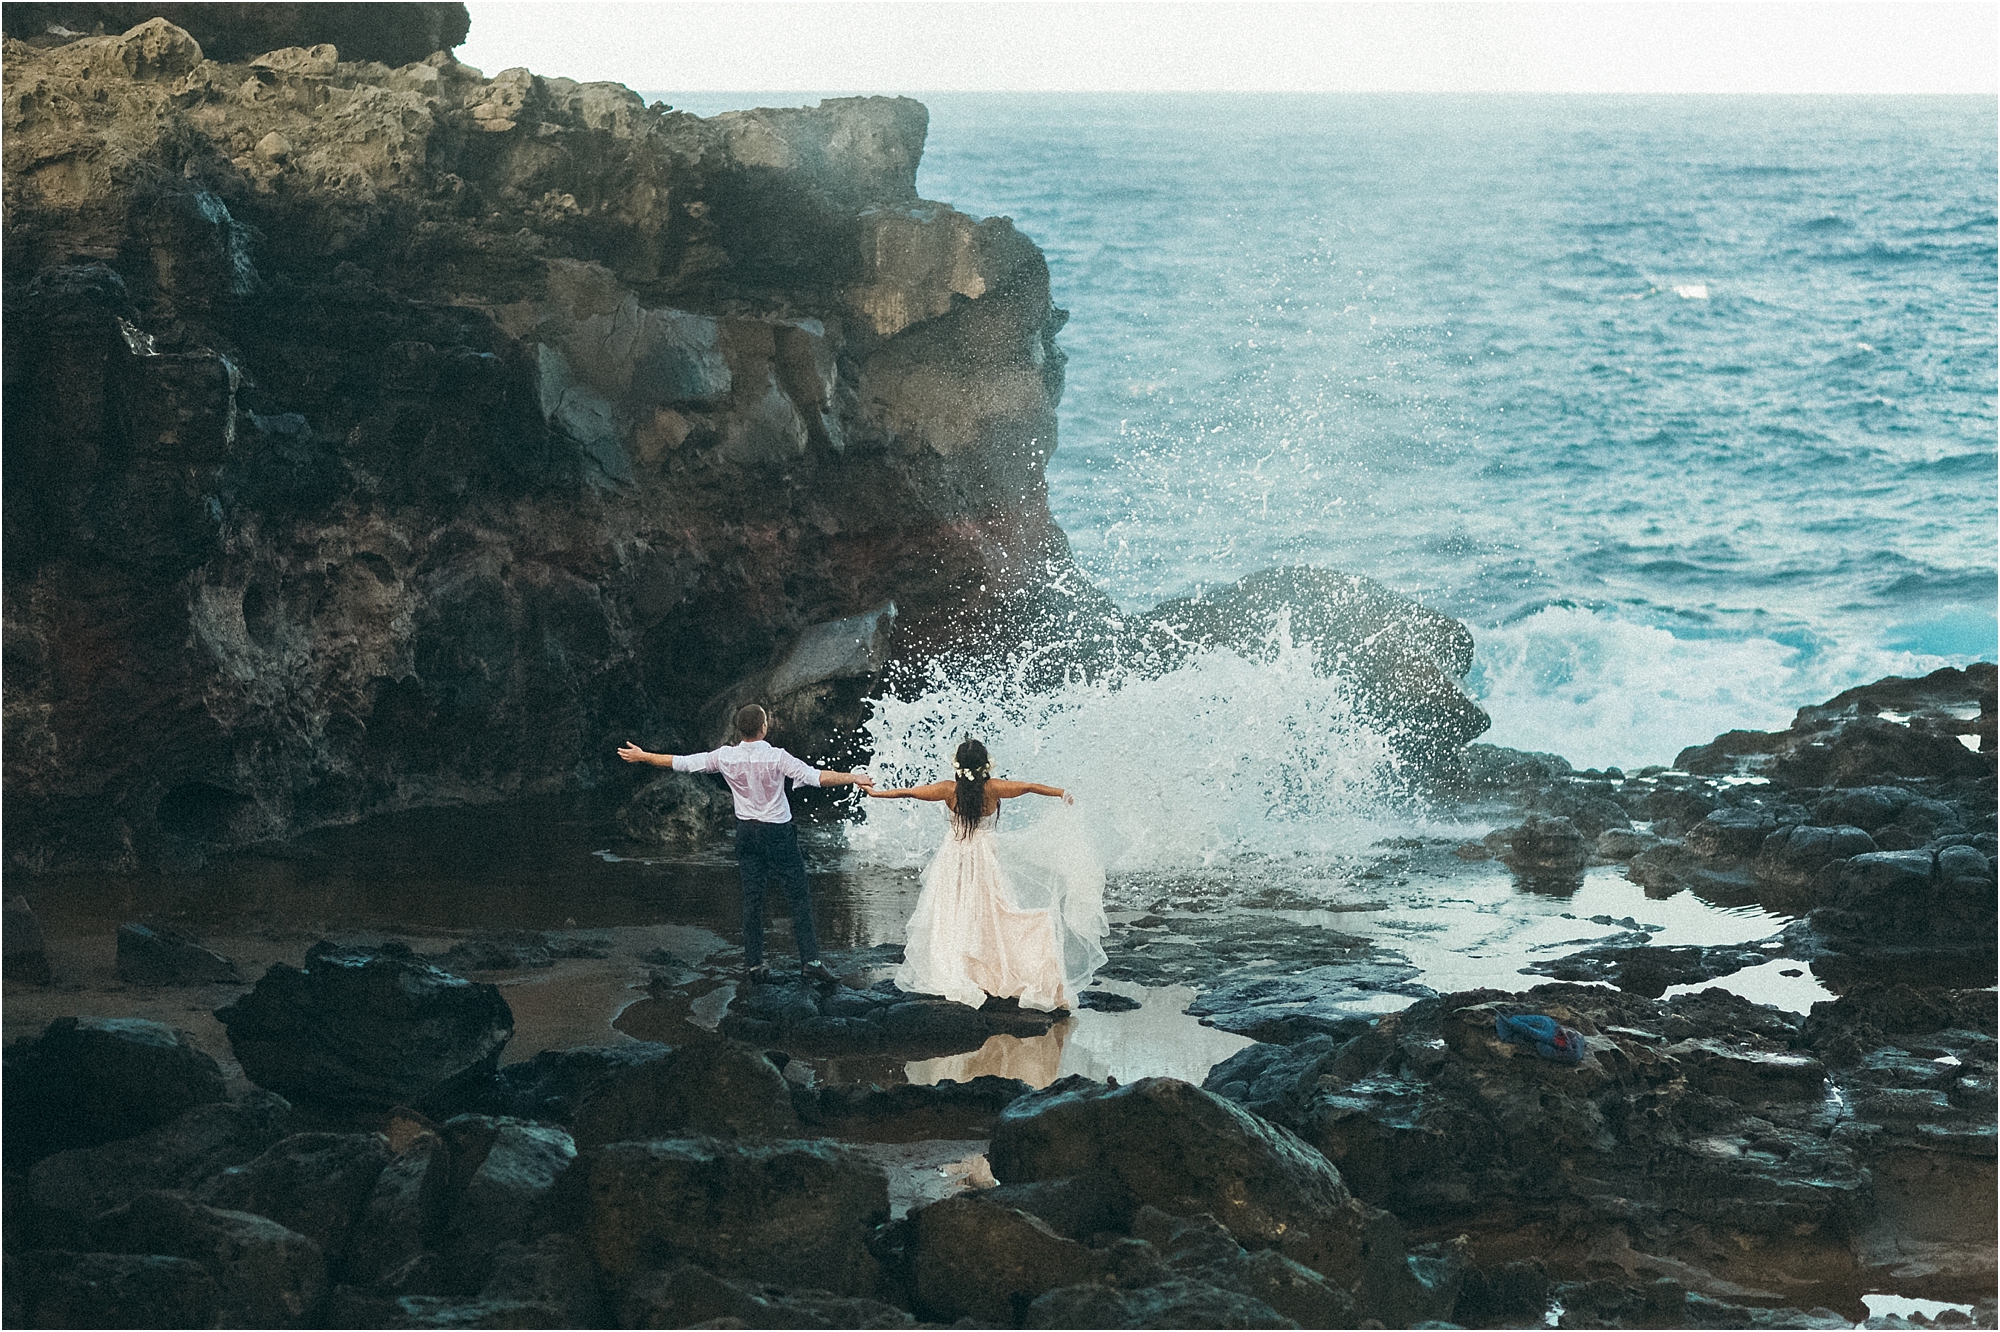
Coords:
pixel 1035 1060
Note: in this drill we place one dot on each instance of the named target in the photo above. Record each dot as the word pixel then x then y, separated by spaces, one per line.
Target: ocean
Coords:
pixel 1685 405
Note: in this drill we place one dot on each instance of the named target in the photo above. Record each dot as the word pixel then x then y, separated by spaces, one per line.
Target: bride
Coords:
pixel 1015 915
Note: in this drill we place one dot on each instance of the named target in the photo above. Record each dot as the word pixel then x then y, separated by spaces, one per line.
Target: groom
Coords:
pixel 767 844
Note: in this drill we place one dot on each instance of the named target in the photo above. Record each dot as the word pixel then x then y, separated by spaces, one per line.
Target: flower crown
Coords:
pixel 978 774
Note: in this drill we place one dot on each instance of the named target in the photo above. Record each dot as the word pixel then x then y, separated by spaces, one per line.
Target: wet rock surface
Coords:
pixel 809 1018
pixel 87 1081
pixel 1693 1119
pixel 157 955
pixel 368 1027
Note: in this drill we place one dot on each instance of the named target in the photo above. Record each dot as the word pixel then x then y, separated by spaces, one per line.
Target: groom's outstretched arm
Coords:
pixel 631 753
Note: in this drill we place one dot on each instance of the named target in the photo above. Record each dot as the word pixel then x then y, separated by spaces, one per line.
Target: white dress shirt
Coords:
pixel 756 773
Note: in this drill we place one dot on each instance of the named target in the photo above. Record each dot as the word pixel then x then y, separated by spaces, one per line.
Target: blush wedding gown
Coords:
pixel 1015 915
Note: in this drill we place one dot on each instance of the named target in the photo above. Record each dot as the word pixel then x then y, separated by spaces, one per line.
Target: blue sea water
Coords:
pixel 1685 405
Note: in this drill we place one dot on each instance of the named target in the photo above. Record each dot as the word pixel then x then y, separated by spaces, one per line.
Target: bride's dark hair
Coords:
pixel 973 769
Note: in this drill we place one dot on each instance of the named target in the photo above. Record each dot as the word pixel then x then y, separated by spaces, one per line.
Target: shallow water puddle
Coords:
pixel 1157 1039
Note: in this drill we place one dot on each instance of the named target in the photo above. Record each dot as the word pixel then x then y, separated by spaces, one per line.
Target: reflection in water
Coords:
pixel 1157 1039
pixel 1035 1060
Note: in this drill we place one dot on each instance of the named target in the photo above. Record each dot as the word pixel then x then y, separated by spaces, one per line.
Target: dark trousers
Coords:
pixel 766 851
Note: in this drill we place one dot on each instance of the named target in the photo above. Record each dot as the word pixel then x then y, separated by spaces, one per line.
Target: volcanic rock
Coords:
pixel 1794 857
pixel 1542 847
pixel 705 1087
pixel 157 955
pixel 1405 662
pixel 809 1019
pixel 71 1187
pixel 503 1177
pixel 265 1275
pixel 687 1296
pixel 367 1027
pixel 974 1258
pixel 317 1184
pixel 438 432
pixel 795 1214
pixel 55 1288
pixel 26 951
pixel 88 1080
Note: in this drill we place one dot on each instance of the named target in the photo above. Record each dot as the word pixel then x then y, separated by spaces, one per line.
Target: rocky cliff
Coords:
pixel 384 436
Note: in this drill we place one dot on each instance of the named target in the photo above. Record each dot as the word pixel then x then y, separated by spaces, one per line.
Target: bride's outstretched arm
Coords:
pixel 1007 790
pixel 934 791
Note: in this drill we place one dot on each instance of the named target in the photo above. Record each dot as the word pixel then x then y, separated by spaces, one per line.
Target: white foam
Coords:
pixel 1219 760
pixel 1692 291
pixel 1602 691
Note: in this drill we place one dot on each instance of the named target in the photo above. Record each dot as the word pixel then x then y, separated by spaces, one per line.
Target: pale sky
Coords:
pixel 918 46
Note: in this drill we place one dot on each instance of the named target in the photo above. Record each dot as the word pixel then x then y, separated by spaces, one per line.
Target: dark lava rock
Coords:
pixel 1287 1009
pixel 265 1275
pixel 1589 808
pixel 687 1296
pixel 1542 847
pixel 317 1184
pixel 1405 662
pixel 1489 768
pixel 1649 971
pixel 510 950
pixel 1185 1151
pixel 678 809
pixel 704 1087
pixel 88 1080
pixel 56 1288
pixel 1104 1001
pixel 811 1019
pixel 1794 857
pixel 550 1086
pixel 907 1112
pixel 395 34
pixel 1725 1126
pixel 25 951
pixel 1513 1294
pixel 795 1214
pixel 366 1027
pixel 404 1214
pixel 503 1177
pixel 1177 1303
pixel 70 1187
pixel 1731 834
pixel 1911 903
pixel 157 955
pixel 1202 1249
pixel 1864 807
pixel 973 1258
pixel 1893 729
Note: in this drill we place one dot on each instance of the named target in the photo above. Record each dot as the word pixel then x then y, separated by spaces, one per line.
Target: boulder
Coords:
pixel 549 1086
pixel 1864 807
pixel 404 1214
pixel 809 1019
pixel 1904 900
pixel 1175 1303
pixel 1405 662
pixel 1649 971
pixel 504 1174
pixel 265 1275
pixel 90 1080
pixel 56 1288
pixel 362 1027
pixel 1543 847
pixel 1794 857
pixel 1731 834
pixel 796 1214
pixel 317 1184
pixel 974 1258
pixel 71 1187
pixel 1186 1151
pixel 1200 1248
pixel 688 1296
pixel 678 809
pixel 705 1087
pixel 157 955
pixel 26 951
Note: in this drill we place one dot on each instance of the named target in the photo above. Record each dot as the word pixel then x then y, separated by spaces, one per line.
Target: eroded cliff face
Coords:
pixel 379 437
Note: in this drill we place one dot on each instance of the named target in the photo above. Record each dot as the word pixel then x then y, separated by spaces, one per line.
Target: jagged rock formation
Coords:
pixel 387 436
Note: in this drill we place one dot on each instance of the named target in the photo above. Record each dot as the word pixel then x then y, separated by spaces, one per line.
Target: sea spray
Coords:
pixel 1219 761
pixel 1603 691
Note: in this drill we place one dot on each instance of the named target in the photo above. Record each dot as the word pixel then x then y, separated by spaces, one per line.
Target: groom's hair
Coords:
pixel 750 719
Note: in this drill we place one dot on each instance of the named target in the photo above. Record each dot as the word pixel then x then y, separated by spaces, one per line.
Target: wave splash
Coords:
pixel 1606 692
pixel 1220 761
